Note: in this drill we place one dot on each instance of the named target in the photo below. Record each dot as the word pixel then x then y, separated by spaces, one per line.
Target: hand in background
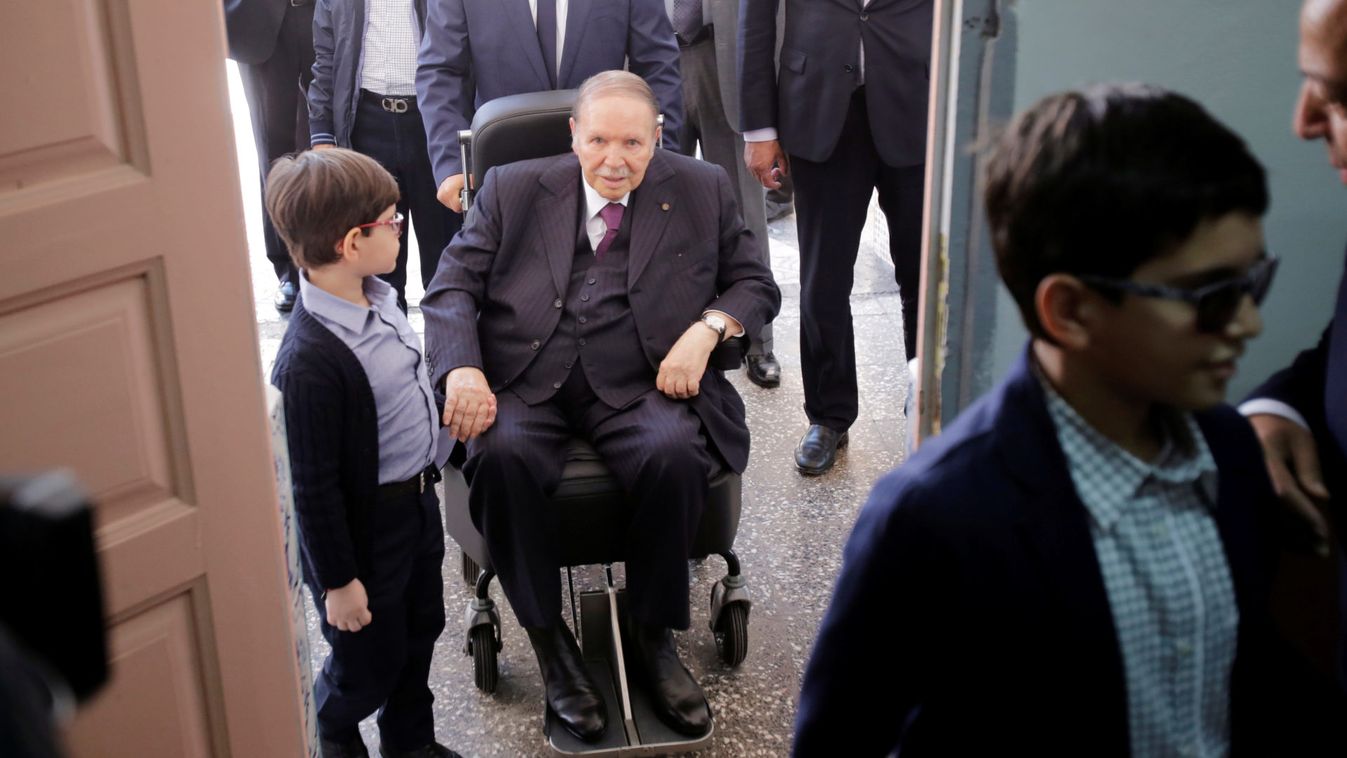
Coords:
pixel 1293 465
pixel 348 607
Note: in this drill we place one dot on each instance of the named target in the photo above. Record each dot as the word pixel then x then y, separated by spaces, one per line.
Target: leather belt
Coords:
pixel 390 103
pixel 416 485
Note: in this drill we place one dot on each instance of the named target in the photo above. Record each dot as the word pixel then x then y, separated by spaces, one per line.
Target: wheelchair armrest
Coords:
pixel 729 355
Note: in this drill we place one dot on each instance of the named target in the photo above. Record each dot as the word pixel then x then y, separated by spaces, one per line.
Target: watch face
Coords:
pixel 715 322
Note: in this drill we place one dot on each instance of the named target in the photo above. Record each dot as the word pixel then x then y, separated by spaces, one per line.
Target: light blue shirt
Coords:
pixel 1167 580
pixel 390 353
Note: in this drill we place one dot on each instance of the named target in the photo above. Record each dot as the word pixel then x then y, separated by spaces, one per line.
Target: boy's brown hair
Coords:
pixel 317 196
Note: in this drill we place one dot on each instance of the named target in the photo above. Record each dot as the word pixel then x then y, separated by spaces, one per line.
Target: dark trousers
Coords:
pixel 705 125
pixel 276 90
pixel 654 448
pixel 385 666
pixel 398 142
pixel 831 201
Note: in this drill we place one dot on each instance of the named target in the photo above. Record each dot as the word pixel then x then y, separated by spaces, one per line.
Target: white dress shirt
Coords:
pixel 388 61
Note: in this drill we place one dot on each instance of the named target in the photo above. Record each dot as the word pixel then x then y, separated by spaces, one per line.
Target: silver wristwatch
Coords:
pixel 716 322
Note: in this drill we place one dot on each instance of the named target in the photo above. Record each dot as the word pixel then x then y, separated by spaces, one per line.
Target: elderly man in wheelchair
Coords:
pixel 583 299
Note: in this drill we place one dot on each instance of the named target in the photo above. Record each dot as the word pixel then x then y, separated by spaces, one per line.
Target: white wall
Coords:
pixel 1236 57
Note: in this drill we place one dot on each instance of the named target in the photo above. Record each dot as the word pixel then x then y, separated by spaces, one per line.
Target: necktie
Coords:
pixel 547 37
pixel 612 217
pixel 687 18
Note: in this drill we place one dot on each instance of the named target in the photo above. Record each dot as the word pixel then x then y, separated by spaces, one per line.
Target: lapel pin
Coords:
pixel 664 206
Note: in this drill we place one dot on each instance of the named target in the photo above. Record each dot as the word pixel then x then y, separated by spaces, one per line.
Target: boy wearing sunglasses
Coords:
pixel 361 429
pixel 1074 567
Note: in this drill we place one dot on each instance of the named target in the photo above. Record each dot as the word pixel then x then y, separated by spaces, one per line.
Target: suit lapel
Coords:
pixel 651 205
pixel 577 20
pixel 521 19
pixel 557 211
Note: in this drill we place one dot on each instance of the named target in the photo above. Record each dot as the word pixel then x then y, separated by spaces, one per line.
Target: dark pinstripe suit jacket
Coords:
pixel 495 298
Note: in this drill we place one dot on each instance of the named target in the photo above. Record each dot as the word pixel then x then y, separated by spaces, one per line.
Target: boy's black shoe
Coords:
pixel 763 370
pixel 328 748
pixel 676 697
pixel 568 690
pixel 286 292
pixel 817 450
pixel 433 750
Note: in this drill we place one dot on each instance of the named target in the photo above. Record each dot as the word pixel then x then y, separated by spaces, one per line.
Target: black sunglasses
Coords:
pixel 1216 303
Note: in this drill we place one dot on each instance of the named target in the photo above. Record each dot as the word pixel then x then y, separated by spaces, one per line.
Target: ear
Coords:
pixel 571 120
pixel 346 246
pixel 1068 310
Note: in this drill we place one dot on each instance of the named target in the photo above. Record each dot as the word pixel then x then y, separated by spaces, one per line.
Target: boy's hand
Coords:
pixel 1293 465
pixel 348 607
pixel 469 405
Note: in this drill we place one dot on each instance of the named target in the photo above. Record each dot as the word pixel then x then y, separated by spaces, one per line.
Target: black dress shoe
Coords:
pixel 433 750
pixel 817 450
pixel 329 748
pixel 674 694
pixel 286 292
pixel 763 370
pixel 570 693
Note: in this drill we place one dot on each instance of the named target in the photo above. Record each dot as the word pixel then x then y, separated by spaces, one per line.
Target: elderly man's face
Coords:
pixel 1321 109
pixel 615 139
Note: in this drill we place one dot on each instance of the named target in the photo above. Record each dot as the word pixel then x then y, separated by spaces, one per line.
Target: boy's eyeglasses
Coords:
pixel 1216 303
pixel 395 222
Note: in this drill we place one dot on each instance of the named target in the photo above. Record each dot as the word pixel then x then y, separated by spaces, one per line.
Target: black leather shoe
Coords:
pixel 763 370
pixel 328 748
pixel 433 750
pixel 286 292
pixel 674 694
pixel 817 450
pixel 570 693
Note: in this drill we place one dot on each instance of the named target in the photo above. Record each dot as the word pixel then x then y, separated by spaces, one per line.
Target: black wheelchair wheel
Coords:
pixel 732 634
pixel 470 569
pixel 484 666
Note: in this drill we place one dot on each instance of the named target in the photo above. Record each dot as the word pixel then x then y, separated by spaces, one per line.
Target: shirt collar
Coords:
pixel 345 313
pixel 1108 478
pixel 594 202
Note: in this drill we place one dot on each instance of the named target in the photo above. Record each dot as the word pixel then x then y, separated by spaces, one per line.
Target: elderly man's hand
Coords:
pixel 450 193
pixel 767 162
pixel 680 373
pixel 469 405
pixel 1293 465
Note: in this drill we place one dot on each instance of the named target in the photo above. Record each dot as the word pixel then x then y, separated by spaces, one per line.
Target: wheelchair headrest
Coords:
pixel 520 127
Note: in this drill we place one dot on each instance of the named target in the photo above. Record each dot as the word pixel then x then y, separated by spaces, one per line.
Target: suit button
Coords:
pixel 569 364
pixel 556 385
pixel 849 68
pixel 865 16
pixel 584 298
pixel 535 344
pixel 556 303
pixel 581 342
pixel 590 280
pixel 584 320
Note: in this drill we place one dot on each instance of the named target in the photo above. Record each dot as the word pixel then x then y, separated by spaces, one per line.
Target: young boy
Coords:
pixel 363 97
pixel 1074 566
pixel 361 425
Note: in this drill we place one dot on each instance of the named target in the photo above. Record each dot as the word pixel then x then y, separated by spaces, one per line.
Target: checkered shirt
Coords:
pixel 1167 580
pixel 391 40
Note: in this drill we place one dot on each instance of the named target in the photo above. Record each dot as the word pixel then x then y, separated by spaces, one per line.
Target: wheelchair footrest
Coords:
pixel 633 727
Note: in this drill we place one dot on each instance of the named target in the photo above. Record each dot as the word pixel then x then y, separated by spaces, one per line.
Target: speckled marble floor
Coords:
pixel 790 538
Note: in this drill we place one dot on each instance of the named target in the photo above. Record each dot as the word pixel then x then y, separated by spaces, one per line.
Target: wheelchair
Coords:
pixel 590 501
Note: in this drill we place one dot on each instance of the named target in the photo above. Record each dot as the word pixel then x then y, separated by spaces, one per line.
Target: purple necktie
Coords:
pixel 612 217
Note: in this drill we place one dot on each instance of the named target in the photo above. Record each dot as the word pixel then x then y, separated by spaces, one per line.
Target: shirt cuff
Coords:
pixel 1268 406
pixel 723 314
pixel 765 134
pixel 322 139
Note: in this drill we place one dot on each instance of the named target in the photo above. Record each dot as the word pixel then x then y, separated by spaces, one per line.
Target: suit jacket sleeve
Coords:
pixel 757 64
pixel 445 88
pixel 454 296
pixel 314 413
pixel 748 292
pixel 879 629
pixel 1301 385
pixel 321 129
pixel 652 54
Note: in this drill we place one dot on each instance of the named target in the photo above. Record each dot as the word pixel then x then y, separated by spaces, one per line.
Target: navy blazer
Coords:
pixel 512 262
pixel 338 45
pixel 252 28
pixel 478 50
pixel 971 618
pixel 807 100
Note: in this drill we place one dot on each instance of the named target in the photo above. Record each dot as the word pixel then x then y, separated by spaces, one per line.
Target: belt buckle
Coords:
pixel 395 104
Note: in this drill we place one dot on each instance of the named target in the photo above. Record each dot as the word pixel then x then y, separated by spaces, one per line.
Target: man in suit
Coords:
pixel 707 34
pixel 846 115
pixel 272 41
pixel 584 297
pixel 478 50
pixel 1076 565
pixel 1300 414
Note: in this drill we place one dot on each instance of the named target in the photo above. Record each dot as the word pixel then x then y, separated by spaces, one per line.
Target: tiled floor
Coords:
pixel 790 538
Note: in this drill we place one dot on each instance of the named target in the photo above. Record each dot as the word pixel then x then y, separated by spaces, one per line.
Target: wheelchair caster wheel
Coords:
pixel 470 570
pixel 732 634
pixel 485 669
